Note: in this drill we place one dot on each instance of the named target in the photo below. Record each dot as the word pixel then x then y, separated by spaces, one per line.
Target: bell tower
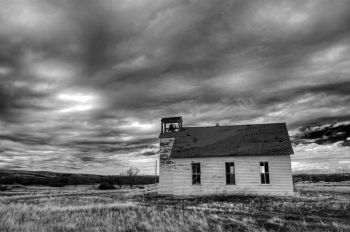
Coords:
pixel 169 130
pixel 172 124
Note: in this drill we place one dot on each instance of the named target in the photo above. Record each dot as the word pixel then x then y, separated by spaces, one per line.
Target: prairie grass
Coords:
pixel 84 208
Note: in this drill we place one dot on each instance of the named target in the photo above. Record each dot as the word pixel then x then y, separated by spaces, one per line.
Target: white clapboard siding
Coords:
pixel 165 183
pixel 177 178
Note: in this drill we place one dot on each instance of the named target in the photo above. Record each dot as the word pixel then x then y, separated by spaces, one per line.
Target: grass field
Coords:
pixel 316 207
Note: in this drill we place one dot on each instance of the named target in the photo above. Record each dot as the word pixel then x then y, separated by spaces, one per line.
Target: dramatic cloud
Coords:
pixel 83 84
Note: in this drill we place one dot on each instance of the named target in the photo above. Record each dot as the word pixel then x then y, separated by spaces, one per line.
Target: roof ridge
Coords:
pixel 257 124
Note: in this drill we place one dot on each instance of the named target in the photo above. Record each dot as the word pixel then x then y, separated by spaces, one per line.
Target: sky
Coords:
pixel 84 84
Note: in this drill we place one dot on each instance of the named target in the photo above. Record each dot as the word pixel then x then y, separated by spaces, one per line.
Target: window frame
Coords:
pixel 228 173
pixel 267 181
pixel 196 172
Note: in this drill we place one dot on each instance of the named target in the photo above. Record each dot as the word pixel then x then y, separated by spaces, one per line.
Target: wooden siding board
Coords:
pixel 178 179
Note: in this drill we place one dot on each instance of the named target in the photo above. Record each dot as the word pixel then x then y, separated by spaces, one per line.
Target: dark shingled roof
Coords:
pixel 257 139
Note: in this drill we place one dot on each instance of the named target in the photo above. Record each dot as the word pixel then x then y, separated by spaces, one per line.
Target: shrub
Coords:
pixel 106 186
pixel 56 184
pixel 3 188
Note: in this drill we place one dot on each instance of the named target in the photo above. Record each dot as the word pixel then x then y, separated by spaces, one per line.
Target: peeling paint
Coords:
pixel 165 147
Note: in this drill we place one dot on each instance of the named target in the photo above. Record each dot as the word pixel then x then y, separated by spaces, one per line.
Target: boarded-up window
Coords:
pixel 196 173
pixel 264 173
pixel 230 173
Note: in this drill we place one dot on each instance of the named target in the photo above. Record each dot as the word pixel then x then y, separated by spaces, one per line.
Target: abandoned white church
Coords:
pixel 239 159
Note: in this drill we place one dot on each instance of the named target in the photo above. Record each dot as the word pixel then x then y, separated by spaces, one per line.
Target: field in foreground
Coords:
pixel 316 207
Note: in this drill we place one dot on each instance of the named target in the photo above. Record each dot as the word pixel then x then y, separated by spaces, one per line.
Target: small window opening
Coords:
pixel 264 173
pixel 230 173
pixel 196 173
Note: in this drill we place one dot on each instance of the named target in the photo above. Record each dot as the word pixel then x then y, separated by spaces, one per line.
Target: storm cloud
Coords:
pixel 83 84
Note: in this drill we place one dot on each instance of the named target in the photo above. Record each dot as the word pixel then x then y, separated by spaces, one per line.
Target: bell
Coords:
pixel 172 127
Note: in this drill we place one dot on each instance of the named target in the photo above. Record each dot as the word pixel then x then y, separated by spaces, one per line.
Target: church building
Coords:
pixel 225 160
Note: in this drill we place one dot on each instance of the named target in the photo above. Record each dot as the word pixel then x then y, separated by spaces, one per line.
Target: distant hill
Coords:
pixel 55 179
pixel 335 177
pixel 321 171
pixel 8 177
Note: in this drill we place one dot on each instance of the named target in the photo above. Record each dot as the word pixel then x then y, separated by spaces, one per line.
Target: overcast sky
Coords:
pixel 83 84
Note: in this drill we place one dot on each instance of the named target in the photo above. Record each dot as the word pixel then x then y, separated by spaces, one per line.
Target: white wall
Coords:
pixel 176 178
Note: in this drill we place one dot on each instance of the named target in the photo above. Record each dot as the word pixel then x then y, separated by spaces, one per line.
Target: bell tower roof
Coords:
pixel 172 119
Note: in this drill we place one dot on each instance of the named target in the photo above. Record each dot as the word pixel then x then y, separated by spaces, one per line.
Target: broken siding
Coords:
pixel 166 166
pixel 177 177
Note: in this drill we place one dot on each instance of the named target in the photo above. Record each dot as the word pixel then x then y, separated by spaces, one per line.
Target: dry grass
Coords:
pixel 316 207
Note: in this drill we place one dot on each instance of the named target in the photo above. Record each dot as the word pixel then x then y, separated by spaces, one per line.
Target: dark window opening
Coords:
pixel 196 173
pixel 230 173
pixel 264 173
